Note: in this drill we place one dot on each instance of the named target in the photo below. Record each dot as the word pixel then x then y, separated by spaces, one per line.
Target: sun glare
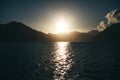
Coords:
pixel 61 25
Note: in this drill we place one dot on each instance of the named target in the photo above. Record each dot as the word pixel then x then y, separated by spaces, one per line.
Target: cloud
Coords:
pixel 112 18
pixel 102 25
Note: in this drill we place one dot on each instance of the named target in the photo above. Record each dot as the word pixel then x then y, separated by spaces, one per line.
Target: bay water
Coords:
pixel 60 61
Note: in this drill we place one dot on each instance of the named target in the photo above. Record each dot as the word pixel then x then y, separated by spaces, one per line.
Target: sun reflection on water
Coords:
pixel 62 59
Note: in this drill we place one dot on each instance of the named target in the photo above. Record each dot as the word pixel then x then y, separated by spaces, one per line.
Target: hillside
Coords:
pixel 111 34
pixel 16 31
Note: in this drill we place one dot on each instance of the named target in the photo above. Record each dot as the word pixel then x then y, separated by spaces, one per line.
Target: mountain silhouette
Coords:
pixel 19 32
pixel 111 34
pixel 16 31
pixel 74 36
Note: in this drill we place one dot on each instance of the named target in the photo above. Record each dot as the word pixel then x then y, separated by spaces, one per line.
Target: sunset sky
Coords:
pixel 49 15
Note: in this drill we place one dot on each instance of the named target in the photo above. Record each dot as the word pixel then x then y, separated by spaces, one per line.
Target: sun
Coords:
pixel 61 25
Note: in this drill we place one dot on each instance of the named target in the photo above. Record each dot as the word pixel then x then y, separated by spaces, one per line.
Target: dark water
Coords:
pixel 60 61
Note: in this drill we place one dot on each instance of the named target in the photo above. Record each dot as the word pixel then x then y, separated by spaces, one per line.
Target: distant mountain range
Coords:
pixel 18 32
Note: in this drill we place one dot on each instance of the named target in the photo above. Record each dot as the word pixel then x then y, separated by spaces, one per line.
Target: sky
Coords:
pixel 42 15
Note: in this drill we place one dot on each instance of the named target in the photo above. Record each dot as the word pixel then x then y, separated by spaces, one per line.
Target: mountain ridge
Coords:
pixel 16 31
pixel 110 34
pixel 19 32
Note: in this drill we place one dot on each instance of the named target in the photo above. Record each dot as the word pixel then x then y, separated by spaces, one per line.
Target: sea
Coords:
pixel 59 61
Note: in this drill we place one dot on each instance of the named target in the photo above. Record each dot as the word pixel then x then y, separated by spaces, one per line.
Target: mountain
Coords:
pixel 110 34
pixel 74 36
pixel 16 31
pixel 83 37
pixel 19 32
pixel 93 32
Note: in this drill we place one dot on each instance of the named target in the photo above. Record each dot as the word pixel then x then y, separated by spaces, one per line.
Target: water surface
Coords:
pixel 60 61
